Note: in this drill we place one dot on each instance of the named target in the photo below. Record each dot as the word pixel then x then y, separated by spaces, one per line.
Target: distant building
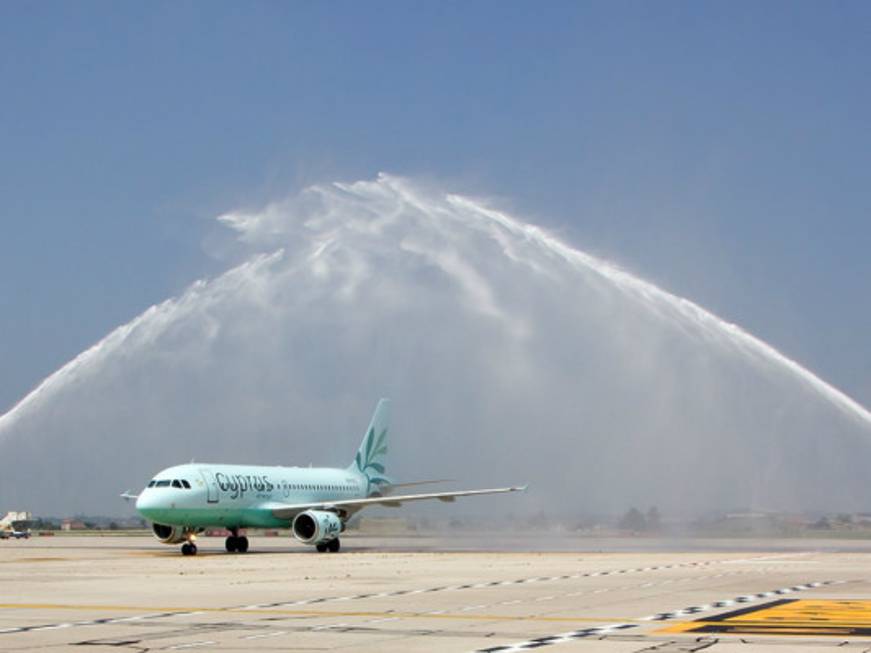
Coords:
pixel 72 525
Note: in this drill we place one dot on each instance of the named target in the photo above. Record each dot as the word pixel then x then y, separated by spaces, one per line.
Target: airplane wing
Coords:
pixel 127 496
pixel 288 511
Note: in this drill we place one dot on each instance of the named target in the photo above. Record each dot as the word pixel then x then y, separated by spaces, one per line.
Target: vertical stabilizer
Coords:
pixel 371 458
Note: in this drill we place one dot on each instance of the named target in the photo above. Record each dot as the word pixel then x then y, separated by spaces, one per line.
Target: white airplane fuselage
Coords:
pixel 241 496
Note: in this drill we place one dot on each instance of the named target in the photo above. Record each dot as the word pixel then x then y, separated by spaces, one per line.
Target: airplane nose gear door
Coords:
pixel 211 486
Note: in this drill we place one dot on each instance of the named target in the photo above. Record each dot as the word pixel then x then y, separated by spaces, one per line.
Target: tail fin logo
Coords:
pixel 369 459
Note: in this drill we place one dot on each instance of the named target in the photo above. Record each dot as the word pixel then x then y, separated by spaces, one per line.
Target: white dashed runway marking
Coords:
pixel 562 638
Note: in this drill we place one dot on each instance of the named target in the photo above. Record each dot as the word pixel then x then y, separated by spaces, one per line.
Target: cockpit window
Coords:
pixel 162 484
pixel 186 485
pixel 151 483
pixel 176 483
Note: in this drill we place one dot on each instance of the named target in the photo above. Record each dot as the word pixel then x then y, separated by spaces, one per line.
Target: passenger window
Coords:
pixel 187 486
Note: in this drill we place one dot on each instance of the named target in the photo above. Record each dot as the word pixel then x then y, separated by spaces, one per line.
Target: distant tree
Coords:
pixel 113 526
pixel 822 524
pixel 633 521
pixel 654 519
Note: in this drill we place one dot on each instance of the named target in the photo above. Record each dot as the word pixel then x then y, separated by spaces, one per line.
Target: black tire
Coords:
pixel 322 547
pixel 231 544
pixel 242 544
pixel 188 549
pixel 333 546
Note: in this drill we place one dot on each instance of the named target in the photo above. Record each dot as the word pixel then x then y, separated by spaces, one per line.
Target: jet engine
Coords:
pixel 170 534
pixel 316 526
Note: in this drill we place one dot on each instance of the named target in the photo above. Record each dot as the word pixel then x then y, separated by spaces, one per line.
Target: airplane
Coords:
pixel 14 525
pixel 315 503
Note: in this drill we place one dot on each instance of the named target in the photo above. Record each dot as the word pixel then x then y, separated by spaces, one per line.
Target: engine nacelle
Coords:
pixel 170 534
pixel 316 526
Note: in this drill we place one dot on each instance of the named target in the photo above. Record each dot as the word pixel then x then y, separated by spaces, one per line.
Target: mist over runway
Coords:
pixel 510 357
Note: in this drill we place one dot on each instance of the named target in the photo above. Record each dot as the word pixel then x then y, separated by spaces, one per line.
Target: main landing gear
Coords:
pixel 332 546
pixel 236 543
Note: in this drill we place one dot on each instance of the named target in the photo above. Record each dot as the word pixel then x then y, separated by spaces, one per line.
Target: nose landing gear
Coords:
pixel 236 543
pixel 189 548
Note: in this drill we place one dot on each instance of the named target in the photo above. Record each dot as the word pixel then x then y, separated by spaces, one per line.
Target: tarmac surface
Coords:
pixel 466 593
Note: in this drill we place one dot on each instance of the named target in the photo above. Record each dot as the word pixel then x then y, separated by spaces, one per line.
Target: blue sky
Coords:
pixel 718 149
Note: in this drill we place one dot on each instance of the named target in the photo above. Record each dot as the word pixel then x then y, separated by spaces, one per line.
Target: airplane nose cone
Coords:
pixel 147 503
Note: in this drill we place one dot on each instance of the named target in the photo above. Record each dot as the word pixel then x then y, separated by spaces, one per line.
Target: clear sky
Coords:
pixel 720 149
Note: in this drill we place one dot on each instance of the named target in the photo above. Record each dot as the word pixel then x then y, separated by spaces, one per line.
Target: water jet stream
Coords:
pixel 682 309
pixel 496 338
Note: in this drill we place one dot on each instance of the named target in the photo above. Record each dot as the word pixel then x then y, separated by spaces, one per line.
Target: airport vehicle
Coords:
pixel 14 525
pixel 315 503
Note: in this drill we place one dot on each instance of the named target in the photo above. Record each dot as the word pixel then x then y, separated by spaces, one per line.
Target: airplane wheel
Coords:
pixel 333 545
pixel 231 544
pixel 189 549
pixel 322 547
pixel 242 544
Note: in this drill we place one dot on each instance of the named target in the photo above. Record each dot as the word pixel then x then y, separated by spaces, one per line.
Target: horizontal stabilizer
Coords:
pixel 393 486
pixel 393 501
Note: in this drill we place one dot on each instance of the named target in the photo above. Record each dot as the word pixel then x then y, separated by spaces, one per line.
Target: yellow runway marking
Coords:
pixel 17 560
pixel 303 613
pixel 789 617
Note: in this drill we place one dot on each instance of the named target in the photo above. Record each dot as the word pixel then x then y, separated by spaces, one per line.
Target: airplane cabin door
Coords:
pixel 211 486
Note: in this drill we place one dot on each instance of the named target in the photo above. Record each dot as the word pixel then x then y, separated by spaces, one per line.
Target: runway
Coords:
pixel 437 594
